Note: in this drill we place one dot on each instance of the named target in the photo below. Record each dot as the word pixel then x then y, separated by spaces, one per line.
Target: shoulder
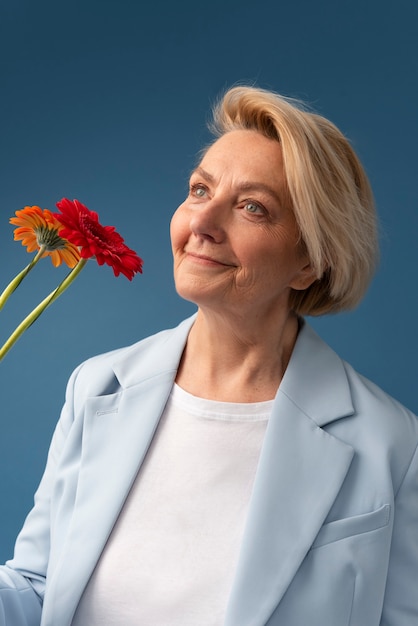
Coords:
pixel 385 416
pixel 333 376
pixel 368 395
pixel 380 429
pixel 350 406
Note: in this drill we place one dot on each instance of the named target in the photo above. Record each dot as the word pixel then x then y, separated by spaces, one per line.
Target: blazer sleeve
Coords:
pixel 401 597
pixel 22 580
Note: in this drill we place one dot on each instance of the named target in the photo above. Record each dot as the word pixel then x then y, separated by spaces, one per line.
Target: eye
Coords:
pixel 198 190
pixel 254 208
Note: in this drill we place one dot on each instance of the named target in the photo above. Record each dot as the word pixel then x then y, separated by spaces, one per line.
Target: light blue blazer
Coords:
pixel 331 537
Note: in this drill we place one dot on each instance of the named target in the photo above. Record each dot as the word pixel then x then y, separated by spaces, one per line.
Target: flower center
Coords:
pixel 49 238
pixel 105 237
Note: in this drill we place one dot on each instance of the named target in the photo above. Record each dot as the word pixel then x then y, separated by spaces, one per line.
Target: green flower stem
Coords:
pixel 14 284
pixel 37 311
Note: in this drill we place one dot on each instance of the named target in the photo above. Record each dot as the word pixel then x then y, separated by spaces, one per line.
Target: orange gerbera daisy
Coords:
pixel 38 230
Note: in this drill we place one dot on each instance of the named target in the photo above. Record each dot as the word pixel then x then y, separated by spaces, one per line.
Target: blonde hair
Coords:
pixel 329 191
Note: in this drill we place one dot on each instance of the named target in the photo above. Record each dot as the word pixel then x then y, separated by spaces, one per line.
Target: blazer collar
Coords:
pixel 313 367
pixel 315 379
pixel 152 356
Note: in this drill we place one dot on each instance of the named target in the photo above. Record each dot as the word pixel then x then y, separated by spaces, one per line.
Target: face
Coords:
pixel 235 240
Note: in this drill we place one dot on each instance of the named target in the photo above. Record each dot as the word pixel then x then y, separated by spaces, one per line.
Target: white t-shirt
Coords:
pixel 171 557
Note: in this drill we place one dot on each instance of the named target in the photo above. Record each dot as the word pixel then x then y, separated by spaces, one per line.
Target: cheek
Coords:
pixel 177 228
pixel 272 258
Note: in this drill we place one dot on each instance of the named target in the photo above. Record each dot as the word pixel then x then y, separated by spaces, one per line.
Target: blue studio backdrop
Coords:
pixel 106 101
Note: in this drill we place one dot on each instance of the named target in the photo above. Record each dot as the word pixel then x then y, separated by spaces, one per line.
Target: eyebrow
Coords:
pixel 244 186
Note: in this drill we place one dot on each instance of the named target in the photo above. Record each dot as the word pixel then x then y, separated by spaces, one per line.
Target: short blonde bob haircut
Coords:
pixel 329 193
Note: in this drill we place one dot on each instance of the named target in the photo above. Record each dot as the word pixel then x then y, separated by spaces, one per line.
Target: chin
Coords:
pixel 189 290
pixel 200 295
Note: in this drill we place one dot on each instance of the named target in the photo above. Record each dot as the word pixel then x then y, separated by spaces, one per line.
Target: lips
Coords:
pixel 206 260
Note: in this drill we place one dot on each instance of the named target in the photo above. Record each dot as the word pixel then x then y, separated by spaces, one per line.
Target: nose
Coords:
pixel 208 221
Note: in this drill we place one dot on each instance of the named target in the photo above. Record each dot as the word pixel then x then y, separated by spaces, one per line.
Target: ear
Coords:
pixel 304 278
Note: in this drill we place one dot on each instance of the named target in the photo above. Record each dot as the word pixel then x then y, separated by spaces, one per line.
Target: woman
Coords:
pixel 234 470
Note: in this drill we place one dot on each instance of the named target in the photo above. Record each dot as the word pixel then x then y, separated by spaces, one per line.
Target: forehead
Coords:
pixel 247 152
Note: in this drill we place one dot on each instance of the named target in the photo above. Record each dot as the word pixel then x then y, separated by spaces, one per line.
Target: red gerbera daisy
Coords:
pixel 81 227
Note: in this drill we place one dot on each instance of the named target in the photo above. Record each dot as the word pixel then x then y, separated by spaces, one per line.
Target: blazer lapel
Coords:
pixel 300 473
pixel 117 432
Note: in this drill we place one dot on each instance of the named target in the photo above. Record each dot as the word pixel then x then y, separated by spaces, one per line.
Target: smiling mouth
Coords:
pixel 206 260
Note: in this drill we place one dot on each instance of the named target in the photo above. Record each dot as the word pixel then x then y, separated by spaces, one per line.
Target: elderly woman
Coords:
pixel 234 471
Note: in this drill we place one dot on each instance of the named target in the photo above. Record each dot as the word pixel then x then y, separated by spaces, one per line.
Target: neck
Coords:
pixel 232 360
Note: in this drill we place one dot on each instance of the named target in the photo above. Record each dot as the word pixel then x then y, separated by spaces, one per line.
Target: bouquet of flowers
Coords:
pixel 71 236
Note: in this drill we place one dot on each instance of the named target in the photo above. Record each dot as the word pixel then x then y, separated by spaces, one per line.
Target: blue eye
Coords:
pixel 198 191
pixel 253 207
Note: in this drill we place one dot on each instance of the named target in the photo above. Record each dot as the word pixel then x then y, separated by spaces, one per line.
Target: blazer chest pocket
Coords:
pixel 350 526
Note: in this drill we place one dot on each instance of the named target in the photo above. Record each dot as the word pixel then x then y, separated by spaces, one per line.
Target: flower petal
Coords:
pixel 38 228
pixel 81 227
